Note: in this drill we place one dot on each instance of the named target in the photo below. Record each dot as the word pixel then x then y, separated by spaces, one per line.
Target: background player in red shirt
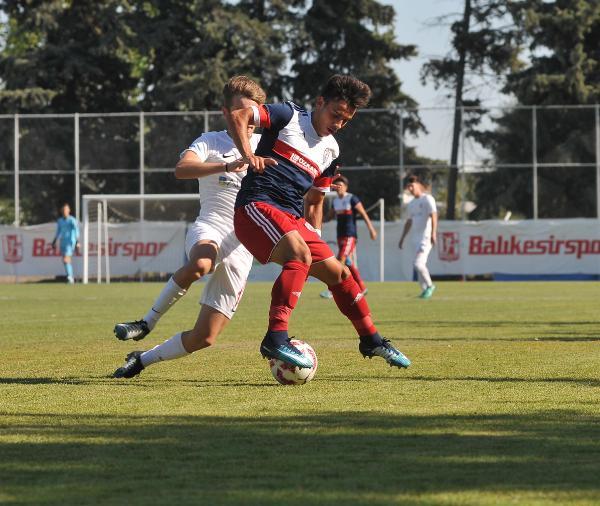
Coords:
pixel 294 159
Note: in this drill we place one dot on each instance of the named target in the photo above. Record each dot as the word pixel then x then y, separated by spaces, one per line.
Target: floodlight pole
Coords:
pixel 77 166
pixel 598 160
pixel 381 240
pixel 534 160
pixel 17 221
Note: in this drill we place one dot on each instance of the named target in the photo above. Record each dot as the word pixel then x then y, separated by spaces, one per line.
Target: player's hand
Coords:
pixel 236 166
pixel 373 234
pixel 258 163
pixel 433 240
pixel 400 244
pixel 78 247
pixel 54 244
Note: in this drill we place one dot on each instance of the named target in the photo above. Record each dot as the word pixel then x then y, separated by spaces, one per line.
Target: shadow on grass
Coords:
pixel 147 383
pixel 328 458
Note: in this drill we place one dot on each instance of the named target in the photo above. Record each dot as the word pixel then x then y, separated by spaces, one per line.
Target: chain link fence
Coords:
pixel 524 162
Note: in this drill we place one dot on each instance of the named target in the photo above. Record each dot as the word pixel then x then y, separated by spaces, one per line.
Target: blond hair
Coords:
pixel 245 87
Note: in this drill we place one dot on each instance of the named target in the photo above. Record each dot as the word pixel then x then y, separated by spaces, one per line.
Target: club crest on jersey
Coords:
pixel 328 155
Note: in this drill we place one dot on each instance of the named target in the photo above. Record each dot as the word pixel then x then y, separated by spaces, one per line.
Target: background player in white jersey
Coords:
pixel 211 244
pixel 344 208
pixel 67 235
pixel 423 219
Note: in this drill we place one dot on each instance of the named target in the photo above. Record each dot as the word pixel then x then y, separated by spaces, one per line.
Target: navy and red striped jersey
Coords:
pixel 304 160
pixel 345 212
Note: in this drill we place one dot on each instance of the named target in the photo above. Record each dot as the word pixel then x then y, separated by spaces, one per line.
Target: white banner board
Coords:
pixel 542 247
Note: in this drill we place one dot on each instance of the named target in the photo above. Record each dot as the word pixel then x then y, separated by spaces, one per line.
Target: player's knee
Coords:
pixel 345 273
pixel 200 267
pixel 300 253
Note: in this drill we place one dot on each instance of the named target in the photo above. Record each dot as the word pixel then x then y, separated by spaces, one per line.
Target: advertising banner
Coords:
pixel 542 247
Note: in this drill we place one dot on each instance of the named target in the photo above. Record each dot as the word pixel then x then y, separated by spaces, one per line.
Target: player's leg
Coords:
pixel 219 300
pixel 344 257
pixel 202 249
pixel 351 302
pixel 68 269
pixel 66 250
pixel 208 326
pixel 271 236
pixel 423 274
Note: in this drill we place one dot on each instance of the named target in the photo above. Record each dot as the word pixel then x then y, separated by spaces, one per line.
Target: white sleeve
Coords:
pixel 200 147
pixel 431 203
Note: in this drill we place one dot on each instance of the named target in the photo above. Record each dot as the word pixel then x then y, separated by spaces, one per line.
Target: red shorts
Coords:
pixel 260 227
pixel 346 246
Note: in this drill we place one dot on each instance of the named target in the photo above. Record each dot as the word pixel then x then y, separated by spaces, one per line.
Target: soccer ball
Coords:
pixel 288 374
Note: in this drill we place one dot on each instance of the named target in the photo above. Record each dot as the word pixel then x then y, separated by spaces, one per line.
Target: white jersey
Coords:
pixel 219 191
pixel 419 211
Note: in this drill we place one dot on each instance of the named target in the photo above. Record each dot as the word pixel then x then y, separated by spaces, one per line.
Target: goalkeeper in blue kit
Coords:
pixel 67 235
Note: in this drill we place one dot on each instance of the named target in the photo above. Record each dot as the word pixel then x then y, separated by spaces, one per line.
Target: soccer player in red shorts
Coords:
pixel 293 167
pixel 344 208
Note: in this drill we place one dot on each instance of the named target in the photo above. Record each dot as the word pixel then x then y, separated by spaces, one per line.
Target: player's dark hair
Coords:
pixel 347 88
pixel 245 87
pixel 422 177
pixel 342 179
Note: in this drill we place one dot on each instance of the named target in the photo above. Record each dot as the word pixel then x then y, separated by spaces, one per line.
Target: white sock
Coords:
pixel 169 295
pixel 171 349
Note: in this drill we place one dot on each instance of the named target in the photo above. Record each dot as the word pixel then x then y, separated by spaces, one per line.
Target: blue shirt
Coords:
pixel 304 160
pixel 345 212
pixel 67 230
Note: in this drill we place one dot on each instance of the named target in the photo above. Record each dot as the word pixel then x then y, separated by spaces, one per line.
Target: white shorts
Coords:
pixel 422 251
pixel 226 284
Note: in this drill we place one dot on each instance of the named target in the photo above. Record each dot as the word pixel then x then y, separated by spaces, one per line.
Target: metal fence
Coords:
pixel 533 162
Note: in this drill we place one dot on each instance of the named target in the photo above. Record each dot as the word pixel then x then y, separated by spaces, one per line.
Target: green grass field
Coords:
pixel 500 406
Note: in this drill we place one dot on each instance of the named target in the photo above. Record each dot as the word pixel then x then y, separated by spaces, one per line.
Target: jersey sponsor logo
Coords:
pixel 298 159
pixel 12 248
pixel 449 250
pixel 297 294
pixel 228 182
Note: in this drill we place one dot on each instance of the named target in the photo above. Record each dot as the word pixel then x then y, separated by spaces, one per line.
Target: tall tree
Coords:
pixel 564 69
pixel 357 38
pixel 482 45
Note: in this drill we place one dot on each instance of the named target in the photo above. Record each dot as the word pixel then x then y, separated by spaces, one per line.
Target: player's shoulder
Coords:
pixel 430 199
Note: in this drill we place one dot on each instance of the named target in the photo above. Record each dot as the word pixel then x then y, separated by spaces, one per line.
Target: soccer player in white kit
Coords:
pixel 423 219
pixel 211 244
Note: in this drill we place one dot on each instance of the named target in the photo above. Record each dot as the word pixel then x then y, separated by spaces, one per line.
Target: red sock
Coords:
pixel 349 299
pixel 285 294
pixel 356 276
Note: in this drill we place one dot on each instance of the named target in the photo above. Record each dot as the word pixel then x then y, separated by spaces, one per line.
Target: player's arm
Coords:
pixel 56 235
pixel 434 227
pixel 76 228
pixel 190 166
pixel 407 226
pixel 237 123
pixel 313 208
pixel 360 209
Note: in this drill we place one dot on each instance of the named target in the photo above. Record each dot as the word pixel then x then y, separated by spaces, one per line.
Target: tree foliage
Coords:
pixel 64 56
pixel 563 67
